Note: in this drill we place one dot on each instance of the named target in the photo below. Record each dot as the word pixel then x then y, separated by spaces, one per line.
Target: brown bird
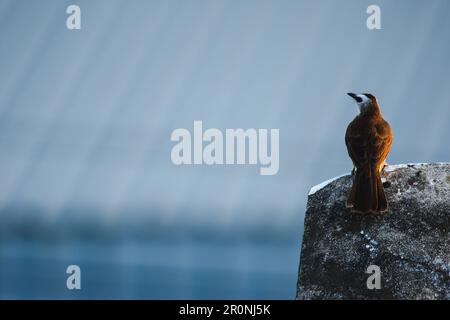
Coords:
pixel 368 139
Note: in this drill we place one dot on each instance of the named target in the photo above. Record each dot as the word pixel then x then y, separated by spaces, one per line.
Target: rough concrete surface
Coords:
pixel 410 244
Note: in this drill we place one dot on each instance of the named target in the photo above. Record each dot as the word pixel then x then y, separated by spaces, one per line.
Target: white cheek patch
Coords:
pixel 365 102
pixel 364 99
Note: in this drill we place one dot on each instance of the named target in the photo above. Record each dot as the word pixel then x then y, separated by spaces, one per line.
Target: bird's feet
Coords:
pixel 386 183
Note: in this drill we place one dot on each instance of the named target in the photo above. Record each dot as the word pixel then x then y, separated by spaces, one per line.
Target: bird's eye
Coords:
pixel 358 99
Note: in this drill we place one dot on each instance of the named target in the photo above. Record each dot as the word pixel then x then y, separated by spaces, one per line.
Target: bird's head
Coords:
pixel 365 101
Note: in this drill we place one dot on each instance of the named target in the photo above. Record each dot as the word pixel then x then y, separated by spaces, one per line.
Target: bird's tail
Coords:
pixel 367 194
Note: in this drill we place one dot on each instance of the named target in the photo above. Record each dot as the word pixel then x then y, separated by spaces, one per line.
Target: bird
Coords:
pixel 368 139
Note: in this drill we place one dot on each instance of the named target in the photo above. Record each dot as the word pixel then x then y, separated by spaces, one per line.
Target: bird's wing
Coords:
pixel 356 145
pixel 380 142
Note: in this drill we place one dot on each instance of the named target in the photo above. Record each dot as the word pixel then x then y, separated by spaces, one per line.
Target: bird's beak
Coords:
pixel 354 96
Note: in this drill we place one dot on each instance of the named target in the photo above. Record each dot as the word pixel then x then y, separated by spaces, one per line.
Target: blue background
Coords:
pixel 86 117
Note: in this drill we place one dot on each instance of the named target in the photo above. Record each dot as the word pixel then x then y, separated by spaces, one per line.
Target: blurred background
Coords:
pixel 86 117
